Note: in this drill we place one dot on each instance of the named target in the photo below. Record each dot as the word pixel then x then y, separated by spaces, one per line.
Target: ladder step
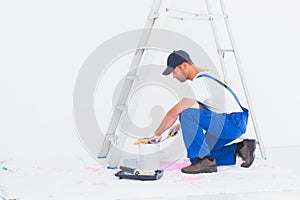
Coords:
pixel 197 15
pixel 123 108
pixel 132 77
pixel 190 18
pixel 225 50
pixel 111 137
pixel 154 15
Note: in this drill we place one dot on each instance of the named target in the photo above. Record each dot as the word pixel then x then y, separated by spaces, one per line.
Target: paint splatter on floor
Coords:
pixel 84 178
pixel 174 166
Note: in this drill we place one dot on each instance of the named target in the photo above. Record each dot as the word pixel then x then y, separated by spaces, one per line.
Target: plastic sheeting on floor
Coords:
pixel 81 177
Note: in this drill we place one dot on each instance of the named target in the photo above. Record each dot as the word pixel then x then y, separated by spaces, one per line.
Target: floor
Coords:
pixel 81 177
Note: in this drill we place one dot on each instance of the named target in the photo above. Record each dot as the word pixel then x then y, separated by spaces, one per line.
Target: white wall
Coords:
pixel 44 44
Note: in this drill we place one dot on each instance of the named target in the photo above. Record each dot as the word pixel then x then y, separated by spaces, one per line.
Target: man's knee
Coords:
pixel 188 114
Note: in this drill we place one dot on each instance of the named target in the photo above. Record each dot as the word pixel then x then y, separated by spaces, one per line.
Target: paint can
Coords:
pixel 131 163
pixel 149 156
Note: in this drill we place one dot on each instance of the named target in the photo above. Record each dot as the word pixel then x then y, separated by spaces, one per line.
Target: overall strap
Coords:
pixel 226 86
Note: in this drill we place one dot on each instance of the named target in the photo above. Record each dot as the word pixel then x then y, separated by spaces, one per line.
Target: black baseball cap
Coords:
pixel 176 58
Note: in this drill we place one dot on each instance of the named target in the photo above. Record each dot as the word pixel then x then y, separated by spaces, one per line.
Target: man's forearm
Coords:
pixel 166 123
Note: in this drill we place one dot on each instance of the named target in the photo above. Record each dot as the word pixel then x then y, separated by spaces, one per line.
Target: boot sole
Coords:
pixel 204 170
pixel 251 145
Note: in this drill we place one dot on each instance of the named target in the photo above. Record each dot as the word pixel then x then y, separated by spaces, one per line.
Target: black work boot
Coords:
pixel 246 152
pixel 201 165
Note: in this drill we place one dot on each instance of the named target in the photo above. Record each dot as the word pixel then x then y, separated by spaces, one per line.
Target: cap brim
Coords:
pixel 168 71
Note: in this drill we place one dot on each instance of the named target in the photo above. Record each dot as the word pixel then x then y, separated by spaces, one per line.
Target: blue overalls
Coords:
pixel 221 129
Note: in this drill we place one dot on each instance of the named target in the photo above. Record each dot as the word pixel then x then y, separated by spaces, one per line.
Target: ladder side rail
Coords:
pixel 238 62
pixel 217 41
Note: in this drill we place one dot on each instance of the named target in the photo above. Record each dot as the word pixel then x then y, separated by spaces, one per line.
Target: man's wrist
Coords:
pixel 155 139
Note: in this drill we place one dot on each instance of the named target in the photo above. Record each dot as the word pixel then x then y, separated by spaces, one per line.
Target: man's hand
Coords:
pixel 151 140
pixel 174 130
pixel 155 139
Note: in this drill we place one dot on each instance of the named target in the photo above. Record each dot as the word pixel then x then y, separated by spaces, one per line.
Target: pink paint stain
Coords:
pixel 99 184
pixel 174 166
pixel 93 169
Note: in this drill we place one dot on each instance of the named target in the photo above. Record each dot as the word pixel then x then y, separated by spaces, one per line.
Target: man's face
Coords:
pixel 180 74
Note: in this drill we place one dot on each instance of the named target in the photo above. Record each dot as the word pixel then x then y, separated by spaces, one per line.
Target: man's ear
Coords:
pixel 184 65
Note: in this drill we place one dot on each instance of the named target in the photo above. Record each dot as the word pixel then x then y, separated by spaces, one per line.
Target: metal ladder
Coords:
pixel 110 139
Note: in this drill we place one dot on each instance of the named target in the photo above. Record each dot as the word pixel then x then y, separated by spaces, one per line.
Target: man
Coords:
pixel 206 130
